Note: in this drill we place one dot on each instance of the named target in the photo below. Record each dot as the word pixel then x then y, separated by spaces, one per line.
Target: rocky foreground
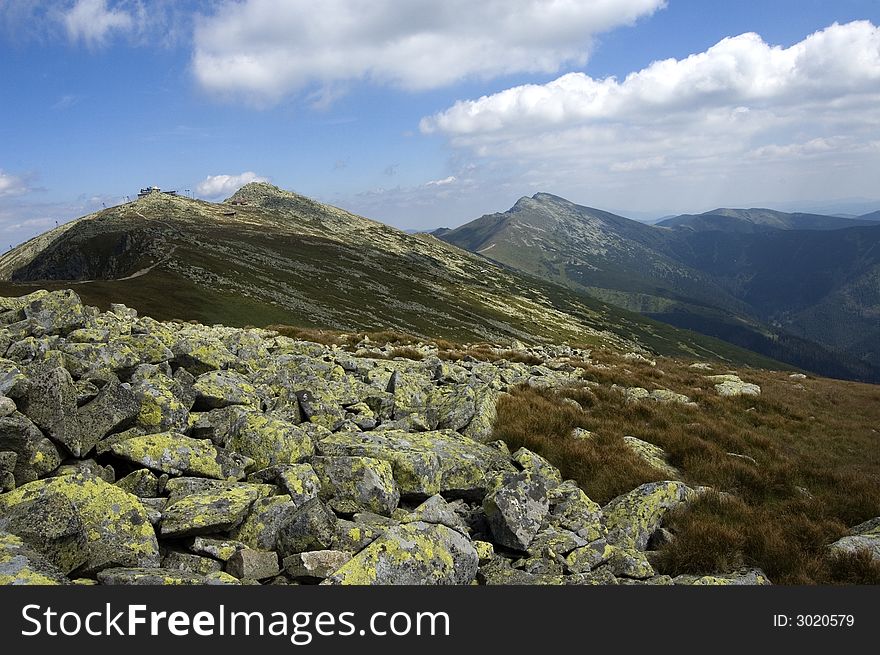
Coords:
pixel 140 452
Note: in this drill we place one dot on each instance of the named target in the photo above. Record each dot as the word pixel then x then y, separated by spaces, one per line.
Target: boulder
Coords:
pixel 516 510
pixel 253 564
pixel 56 312
pixel 162 577
pixel 36 456
pixel 355 484
pixel 415 553
pixel 310 527
pixel 259 530
pixel 115 523
pixel 176 454
pixel 315 565
pixel 21 565
pixel 732 385
pixel 216 389
pixel 633 517
pixel 269 440
pixel 207 513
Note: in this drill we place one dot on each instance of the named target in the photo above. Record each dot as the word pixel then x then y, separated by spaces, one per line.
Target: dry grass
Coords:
pixel 815 444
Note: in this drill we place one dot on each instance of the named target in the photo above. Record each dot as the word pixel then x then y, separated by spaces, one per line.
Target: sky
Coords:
pixel 431 113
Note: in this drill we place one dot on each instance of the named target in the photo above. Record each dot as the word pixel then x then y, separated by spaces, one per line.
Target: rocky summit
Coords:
pixel 134 451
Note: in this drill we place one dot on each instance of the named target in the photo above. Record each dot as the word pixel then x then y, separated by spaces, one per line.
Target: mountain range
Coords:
pixel 802 288
pixel 268 256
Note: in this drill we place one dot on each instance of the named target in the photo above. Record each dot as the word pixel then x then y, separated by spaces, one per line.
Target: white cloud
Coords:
pixel 12 185
pixel 262 50
pixel 221 186
pixel 444 182
pixel 743 116
pixel 92 21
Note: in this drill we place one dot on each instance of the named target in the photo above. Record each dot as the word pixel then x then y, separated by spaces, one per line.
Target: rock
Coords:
pixel 299 481
pixel 425 463
pixel 455 406
pixel 180 488
pixel 50 524
pixel 8 459
pixel 207 513
pixel 485 551
pixel 253 564
pixel 57 312
pixel 7 406
pixel 21 565
pixel 270 441
pixel 480 426
pixel 221 549
pixel 316 565
pixel 141 483
pixel 516 510
pixel 864 537
pixel 114 522
pixel 259 530
pixel 354 484
pixel 633 517
pixel 176 454
pixel 310 527
pixel 572 510
pixel 200 353
pixel 652 455
pixel 51 403
pixel 630 563
pixel 538 467
pixel 745 577
pixel 160 576
pixel 177 560
pixel 586 558
pixel 354 537
pixel 732 385
pixel 416 553
pixel 160 409
pixel 13 382
pixel 36 456
pixel 437 510
pixel 112 409
pixel 216 389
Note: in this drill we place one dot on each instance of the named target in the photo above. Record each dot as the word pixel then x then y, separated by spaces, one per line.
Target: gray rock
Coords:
pixel 315 565
pixel 310 527
pixel 516 510
pixel 354 484
pixel 253 564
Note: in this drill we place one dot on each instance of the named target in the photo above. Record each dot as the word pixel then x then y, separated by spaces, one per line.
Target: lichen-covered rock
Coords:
pixel 200 352
pixel 56 312
pixel 179 488
pixel 354 536
pixel 633 517
pixel 208 513
pixel 425 463
pixel 269 440
pixel 745 577
pixel 50 524
pixel 161 409
pixel 36 456
pixel 51 402
pixel 178 560
pixel 538 467
pixel 355 484
pixel 147 348
pixel 159 576
pixel 7 468
pixel 216 389
pixel 437 510
pixel 310 527
pixel 652 455
pixel 415 553
pixel 142 483
pixel 13 382
pixel 176 454
pixel 572 510
pixel 260 528
pixel 220 549
pixel 630 563
pixel 112 409
pixel 588 557
pixel 480 426
pixel 22 565
pixel 299 481
pixel 516 510
pixel 455 406
pixel 117 530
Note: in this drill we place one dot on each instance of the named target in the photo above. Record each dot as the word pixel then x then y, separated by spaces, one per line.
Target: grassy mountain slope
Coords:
pixel 757 220
pixel 270 256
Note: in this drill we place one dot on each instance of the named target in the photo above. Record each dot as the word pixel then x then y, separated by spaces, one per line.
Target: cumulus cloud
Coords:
pixel 93 21
pixel 265 49
pixel 12 185
pixel 710 116
pixel 221 186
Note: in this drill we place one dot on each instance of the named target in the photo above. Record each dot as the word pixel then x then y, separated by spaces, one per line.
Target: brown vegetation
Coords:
pixel 808 464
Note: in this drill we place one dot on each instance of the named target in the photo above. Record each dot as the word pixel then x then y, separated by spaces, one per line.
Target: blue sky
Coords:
pixel 431 113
